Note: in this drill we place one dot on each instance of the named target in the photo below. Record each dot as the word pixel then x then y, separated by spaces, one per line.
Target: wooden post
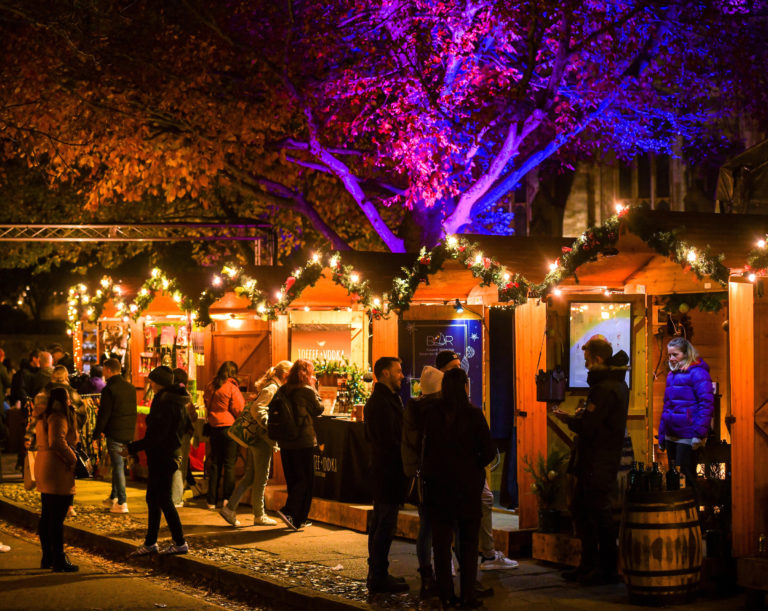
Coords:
pixel 530 415
pixel 741 337
pixel 279 339
pixel 384 341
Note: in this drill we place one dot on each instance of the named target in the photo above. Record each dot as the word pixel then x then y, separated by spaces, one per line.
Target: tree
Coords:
pixel 391 120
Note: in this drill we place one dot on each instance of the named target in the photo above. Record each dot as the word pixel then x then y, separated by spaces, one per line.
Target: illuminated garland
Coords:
pixel 513 289
pixel 602 240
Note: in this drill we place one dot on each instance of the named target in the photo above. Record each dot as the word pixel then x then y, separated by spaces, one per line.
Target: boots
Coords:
pixel 428 583
pixel 63 565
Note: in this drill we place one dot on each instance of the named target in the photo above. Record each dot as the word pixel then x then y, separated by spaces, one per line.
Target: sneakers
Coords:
pixel 71 513
pixel 288 520
pixel 263 521
pixel 5 548
pixel 230 516
pixel 109 501
pixel 387 585
pixel 65 566
pixel 119 508
pixel 211 507
pixel 306 524
pixel 498 562
pixel 144 550
pixel 175 549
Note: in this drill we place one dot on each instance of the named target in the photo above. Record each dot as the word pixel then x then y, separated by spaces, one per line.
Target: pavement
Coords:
pixel 321 567
pixel 94 586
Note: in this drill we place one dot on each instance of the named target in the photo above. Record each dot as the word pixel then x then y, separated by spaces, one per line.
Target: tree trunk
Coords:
pixel 548 206
pixel 422 228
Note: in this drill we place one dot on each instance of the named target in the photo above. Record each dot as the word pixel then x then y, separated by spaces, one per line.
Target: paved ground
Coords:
pixel 98 584
pixel 327 558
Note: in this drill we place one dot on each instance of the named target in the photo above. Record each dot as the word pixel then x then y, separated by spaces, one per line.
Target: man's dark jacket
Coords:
pixel 117 410
pixel 601 426
pixel 40 379
pixel 166 423
pixel 383 418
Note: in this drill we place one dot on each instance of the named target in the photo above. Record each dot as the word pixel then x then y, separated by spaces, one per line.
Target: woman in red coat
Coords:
pixel 223 403
pixel 56 432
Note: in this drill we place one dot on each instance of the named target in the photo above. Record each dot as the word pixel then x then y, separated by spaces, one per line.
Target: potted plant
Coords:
pixel 548 476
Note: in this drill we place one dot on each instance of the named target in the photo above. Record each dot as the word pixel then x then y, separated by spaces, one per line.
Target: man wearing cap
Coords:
pixel 490 557
pixel 166 424
pixel 595 461
pixel 116 419
pixel 383 418
pixel 413 436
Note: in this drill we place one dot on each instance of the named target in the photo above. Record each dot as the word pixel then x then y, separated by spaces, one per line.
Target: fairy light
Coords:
pixel 761 243
pixel 315 258
pixel 117 289
pixel 105 282
pixel 216 280
pixel 261 309
pixel 691 256
pixel 133 307
pixel 619 207
pixel 377 302
pixel 279 295
pixel 334 261
pixel 552 266
pixel 177 297
pixel 557 292
pixel 165 283
pixel 143 292
pixel 506 277
pixel 355 278
pixel 752 277
pixel 155 272
pixel 306 308
pixel 452 241
pixel 478 258
pixel 297 273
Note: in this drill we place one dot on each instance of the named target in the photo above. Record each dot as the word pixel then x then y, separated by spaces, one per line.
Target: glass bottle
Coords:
pixel 673 481
pixel 681 477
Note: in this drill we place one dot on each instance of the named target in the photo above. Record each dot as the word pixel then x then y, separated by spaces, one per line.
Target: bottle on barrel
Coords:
pixel 632 477
pixel 681 477
pixel 656 479
pixel 673 479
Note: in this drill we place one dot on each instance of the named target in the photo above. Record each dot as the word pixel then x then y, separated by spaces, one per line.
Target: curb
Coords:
pixel 225 579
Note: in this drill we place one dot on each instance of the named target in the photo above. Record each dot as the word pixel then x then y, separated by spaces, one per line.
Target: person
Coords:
pixel 688 407
pixel 298 454
pixel 20 383
pixel 5 378
pixel 116 420
pixel 181 379
pixel 457 447
pixel 56 434
pixel 259 451
pixel 94 383
pixel 43 375
pixel 413 434
pixel 383 420
pixel 166 422
pixel 223 403
pixel 595 459
pixel 60 357
pixel 491 558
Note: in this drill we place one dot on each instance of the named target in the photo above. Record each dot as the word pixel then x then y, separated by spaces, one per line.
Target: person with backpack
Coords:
pixel 166 424
pixel 260 447
pixel 290 423
pixel 457 447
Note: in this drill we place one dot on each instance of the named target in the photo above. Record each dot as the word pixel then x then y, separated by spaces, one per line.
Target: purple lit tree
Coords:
pixel 391 120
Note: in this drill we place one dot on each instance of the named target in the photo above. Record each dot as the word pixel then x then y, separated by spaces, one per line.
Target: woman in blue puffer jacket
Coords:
pixel 688 406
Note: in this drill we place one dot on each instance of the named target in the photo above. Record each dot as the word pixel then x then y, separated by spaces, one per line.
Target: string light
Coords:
pixel 355 278
pixel 216 281
pixel 552 266
pixel 752 277
pixel 761 243
pixel 691 256
pixel 557 292
pixel 619 207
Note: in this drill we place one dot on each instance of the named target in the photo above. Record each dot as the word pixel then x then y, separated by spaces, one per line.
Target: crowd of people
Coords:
pixel 432 453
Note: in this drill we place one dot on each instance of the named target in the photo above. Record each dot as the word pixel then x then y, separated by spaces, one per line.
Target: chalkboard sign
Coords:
pixel 422 340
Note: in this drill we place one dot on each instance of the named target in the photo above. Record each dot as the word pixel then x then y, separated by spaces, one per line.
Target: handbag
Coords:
pixel 29 470
pixel 83 467
pixel 245 429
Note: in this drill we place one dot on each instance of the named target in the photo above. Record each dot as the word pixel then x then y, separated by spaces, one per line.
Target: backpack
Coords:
pixel 281 422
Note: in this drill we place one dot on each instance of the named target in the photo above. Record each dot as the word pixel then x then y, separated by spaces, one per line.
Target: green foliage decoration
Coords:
pixel 357 388
pixel 548 476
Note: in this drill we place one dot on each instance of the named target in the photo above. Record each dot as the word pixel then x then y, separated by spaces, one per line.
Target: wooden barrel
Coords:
pixel 660 547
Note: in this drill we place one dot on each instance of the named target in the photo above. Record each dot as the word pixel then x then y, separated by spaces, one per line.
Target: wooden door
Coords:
pixel 251 351
pixel 530 415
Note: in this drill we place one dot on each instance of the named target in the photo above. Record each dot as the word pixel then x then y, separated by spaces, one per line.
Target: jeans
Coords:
pixel 424 541
pixel 51 526
pixel 115 448
pixel 223 456
pixel 177 488
pixel 159 478
pixel 684 456
pixel 381 532
pixel 255 477
pixel 442 534
pixel 299 469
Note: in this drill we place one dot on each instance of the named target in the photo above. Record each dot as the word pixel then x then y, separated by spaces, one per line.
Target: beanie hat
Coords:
pixel 162 375
pixel 431 380
pixel 444 357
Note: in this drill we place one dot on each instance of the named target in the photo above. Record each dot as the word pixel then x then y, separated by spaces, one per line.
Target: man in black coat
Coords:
pixel 116 419
pixel 600 427
pixel 166 423
pixel 383 417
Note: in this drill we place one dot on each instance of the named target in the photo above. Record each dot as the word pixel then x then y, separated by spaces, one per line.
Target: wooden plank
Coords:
pixel 279 339
pixel 531 416
pixel 384 341
pixel 742 387
pixel 761 415
pixel 560 548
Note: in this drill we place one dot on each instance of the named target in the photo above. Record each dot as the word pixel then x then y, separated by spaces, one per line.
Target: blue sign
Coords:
pixel 422 340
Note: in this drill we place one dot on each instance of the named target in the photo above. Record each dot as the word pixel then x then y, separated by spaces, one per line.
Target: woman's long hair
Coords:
pixel 690 354
pixel 299 370
pixel 58 403
pixel 278 371
pixel 227 370
pixel 454 389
